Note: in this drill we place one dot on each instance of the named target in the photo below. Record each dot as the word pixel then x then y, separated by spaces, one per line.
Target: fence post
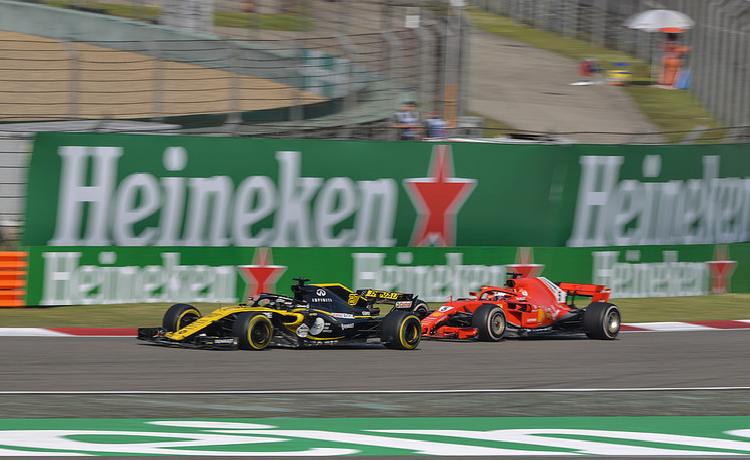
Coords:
pixel 426 67
pixel 392 44
pixel 295 111
pixel 234 118
pixel 452 52
pixel 75 78
pixel 350 50
pixel 157 103
pixel 714 45
pixel 743 93
pixel 599 22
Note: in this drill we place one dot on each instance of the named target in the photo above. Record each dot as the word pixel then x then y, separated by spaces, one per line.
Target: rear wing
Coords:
pixel 597 292
pixel 399 300
pixel 385 296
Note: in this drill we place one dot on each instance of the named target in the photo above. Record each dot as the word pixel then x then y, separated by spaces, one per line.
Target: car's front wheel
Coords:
pixel 253 331
pixel 601 320
pixel 178 316
pixel 489 320
pixel 401 330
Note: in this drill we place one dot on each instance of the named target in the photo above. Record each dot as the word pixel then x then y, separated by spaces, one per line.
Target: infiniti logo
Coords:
pixel 321 292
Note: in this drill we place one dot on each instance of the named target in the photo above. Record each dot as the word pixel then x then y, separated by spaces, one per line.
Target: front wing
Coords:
pixel 156 335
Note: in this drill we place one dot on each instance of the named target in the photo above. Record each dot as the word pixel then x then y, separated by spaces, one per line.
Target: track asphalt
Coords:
pixel 131 332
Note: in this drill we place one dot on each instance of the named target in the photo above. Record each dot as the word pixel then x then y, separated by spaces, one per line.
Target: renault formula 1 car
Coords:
pixel 316 314
pixel 525 307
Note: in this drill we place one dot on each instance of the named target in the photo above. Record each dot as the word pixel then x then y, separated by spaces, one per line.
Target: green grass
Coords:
pixel 492 126
pixel 269 21
pixel 123 11
pixel 701 308
pixel 280 21
pixel 675 112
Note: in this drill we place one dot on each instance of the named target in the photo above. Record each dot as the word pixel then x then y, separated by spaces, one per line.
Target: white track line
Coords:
pixel 373 392
pixel 30 332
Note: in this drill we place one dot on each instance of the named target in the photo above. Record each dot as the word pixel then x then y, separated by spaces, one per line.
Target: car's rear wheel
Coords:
pixel 421 309
pixel 489 320
pixel 178 316
pixel 401 330
pixel 253 331
pixel 601 320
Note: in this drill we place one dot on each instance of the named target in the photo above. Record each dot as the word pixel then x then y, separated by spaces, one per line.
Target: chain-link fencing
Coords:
pixel 719 60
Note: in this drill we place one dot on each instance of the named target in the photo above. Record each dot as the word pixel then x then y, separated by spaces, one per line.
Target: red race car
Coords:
pixel 525 307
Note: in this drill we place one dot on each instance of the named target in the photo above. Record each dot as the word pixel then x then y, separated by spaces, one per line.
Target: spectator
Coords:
pixel 671 61
pixel 407 122
pixel 436 126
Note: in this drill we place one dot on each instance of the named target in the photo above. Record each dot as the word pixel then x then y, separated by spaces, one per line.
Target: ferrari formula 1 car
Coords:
pixel 525 307
pixel 316 314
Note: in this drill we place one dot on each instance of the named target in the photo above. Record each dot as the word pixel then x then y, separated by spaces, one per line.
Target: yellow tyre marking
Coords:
pixel 402 336
pixel 251 326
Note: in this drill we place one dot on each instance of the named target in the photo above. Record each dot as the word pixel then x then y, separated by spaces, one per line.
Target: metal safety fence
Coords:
pixel 719 60
pixel 320 58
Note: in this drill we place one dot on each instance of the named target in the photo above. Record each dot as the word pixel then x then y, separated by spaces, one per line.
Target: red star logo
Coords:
pixel 721 270
pixel 438 199
pixel 262 275
pixel 525 264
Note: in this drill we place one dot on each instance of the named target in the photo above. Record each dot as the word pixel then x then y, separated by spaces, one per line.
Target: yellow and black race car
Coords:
pixel 316 314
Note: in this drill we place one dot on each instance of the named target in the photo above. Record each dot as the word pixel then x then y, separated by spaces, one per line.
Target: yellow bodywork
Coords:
pixel 295 319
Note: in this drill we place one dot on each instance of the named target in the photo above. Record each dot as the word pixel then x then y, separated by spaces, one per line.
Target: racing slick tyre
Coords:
pixel 490 323
pixel 421 309
pixel 178 316
pixel 401 330
pixel 601 320
pixel 253 330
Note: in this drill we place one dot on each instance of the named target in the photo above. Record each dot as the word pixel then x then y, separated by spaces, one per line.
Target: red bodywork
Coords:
pixel 530 304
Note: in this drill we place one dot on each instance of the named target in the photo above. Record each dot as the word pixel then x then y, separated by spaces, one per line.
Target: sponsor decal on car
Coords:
pixel 343 315
pixel 317 326
pixel 303 330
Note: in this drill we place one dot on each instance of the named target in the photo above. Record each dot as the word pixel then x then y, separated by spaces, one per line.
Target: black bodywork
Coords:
pixel 315 314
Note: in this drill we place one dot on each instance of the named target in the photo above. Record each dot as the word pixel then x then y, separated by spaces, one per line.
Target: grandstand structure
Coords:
pixel 67 64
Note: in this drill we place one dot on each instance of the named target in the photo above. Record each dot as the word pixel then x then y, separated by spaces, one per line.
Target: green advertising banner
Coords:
pixel 461 437
pixel 89 189
pixel 112 275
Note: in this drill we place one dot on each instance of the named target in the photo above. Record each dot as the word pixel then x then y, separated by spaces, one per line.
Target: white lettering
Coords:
pixel 255 201
pixel 74 193
pixel 292 224
pixel 336 203
pixel 208 211
pixel 68 283
pixel 631 212
pixel 434 283
pixel 137 200
pixel 631 279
